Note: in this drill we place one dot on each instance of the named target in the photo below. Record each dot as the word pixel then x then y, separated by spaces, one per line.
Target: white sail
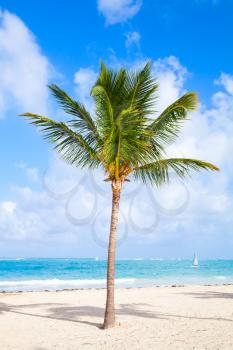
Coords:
pixel 195 260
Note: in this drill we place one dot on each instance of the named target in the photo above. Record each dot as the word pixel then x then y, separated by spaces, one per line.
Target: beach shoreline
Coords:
pixel 117 288
pixel 181 317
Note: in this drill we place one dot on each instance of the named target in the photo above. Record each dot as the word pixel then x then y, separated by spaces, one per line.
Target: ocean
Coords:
pixel 57 274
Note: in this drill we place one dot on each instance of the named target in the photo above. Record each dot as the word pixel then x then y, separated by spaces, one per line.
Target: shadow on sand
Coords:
pixel 210 295
pixel 77 314
pixel 61 312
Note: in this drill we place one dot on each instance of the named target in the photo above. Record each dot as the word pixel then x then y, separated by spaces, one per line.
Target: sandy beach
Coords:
pixel 192 317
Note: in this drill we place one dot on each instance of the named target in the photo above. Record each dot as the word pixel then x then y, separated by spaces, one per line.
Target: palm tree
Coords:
pixel 124 139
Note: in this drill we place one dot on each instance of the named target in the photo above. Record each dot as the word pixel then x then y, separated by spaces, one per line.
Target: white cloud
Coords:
pixel 84 80
pixel 132 39
pixel 24 70
pixel 8 207
pixel 116 11
pixel 32 174
pixel 207 136
pixel 227 81
pixel 32 216
pixel 171 76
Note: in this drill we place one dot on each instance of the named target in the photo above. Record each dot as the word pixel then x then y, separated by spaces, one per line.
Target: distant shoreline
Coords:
pixel 121 288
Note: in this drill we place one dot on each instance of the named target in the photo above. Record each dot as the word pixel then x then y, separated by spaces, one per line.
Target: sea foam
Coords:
pixel 59 284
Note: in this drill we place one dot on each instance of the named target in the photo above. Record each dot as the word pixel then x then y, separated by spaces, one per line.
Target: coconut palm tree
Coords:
pixel 125 138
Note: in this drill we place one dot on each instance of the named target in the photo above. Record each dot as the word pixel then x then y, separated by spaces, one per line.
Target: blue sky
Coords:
pixel 42 199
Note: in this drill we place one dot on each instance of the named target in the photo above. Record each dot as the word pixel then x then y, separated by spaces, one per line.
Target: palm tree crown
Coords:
pixel 123 138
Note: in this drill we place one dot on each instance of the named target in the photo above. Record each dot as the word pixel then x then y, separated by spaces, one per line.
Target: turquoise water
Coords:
pixel 53 274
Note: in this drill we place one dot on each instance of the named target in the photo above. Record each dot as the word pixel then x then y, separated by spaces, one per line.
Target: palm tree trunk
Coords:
pixel 109 318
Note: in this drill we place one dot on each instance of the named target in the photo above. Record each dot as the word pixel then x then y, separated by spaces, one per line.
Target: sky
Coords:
pixel 48 208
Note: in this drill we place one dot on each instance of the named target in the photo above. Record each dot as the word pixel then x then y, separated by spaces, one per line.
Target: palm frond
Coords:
pixel 114 84
pixel 71 145
pixel 141 88
pixel 83 121
pixel 104 110
pixel 167 125
pixel 159 172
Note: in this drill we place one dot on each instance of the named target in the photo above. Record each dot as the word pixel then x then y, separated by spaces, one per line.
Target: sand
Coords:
pixel 192 317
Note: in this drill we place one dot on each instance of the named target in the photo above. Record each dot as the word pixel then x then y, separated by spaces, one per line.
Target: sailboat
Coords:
pixel 195 261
